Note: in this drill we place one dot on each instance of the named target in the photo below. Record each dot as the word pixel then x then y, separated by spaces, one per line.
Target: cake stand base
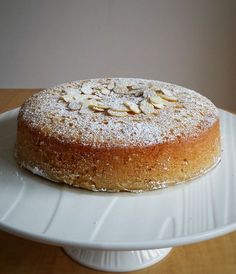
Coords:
pixel 117 261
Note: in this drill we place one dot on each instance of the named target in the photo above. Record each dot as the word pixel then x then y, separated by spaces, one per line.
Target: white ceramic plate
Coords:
pixel 38 209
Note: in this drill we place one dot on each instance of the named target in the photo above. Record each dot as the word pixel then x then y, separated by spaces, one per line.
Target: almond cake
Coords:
pixel 118 134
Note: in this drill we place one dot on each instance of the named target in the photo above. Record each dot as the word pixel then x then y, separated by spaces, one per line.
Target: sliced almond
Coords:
pixel 105 91
pixel 166 95
pixel 117 113
pixel 77 97
pixel 72 91
pixel 179 106
pixel 93 96
pixel 138 93
pixel 102 105
pixel 132 107
pixel 91 84
pixel 133 88
pixel 85 106
pixel 169 98
pixel 146 107
pixel 156 100
pixel 120 108
pixel 97 92
pixel 75 105
pixel 159 105
pixel 148 93
pixel 121 89
pixel 82 97
pixel 91 103
pixel 166 92
pixel 98 109
pixel 111 85
pixel 86 89
pixel 67 98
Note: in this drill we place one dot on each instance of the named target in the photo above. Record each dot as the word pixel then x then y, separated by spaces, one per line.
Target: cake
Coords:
pixel 118 134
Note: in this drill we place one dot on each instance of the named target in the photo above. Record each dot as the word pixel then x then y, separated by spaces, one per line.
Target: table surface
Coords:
pixel 18 255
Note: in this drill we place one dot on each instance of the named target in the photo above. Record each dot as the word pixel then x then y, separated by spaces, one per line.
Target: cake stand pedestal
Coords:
pixel 117 261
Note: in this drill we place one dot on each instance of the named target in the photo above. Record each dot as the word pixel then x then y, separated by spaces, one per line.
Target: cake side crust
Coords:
pixel 118 168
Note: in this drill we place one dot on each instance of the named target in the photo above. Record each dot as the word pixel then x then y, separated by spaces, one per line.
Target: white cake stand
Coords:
pixel 117 232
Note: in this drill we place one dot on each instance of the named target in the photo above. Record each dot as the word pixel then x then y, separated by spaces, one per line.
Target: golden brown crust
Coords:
pixel 119 169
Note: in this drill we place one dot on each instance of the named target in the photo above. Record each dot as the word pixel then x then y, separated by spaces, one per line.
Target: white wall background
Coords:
pixel 191 43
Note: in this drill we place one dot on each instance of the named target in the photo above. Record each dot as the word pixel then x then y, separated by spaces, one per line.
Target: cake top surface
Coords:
pixel 118 112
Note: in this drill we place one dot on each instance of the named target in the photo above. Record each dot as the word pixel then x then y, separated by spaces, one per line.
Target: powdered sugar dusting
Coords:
pixel 189 116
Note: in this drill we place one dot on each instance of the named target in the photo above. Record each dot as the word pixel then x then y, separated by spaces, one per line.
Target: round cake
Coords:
pixel 118 134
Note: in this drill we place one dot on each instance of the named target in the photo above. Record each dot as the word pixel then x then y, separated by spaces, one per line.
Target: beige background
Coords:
pixel 191 43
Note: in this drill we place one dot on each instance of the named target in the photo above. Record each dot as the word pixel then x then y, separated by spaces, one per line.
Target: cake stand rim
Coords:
pixel 119 246
pixel 123 246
